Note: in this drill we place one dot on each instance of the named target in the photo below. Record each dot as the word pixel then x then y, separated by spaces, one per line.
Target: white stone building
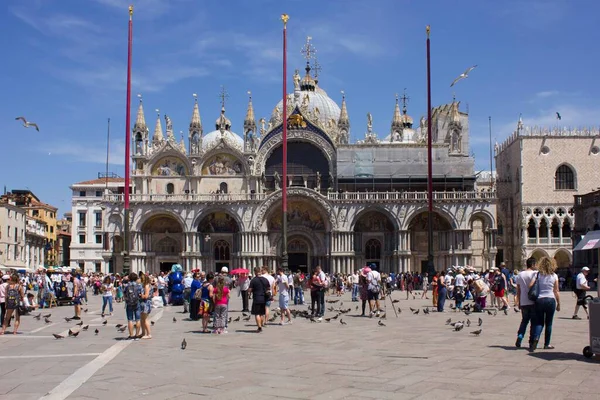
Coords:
pixel 12 236
pixel 88 222
pixel 217 201
pixel 35 242
pixel 539 171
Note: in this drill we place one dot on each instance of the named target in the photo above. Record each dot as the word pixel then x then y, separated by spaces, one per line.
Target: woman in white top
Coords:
pixel 547 302
pixel 107 295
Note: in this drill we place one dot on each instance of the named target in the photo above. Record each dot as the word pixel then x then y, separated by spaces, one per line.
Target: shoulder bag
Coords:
pixel 534 290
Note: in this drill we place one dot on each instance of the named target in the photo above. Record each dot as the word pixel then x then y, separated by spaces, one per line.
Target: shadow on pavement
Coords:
pixel 513 348
pixel 560 355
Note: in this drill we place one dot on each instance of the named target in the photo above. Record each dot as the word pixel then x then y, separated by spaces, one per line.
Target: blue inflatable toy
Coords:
pixel 176 285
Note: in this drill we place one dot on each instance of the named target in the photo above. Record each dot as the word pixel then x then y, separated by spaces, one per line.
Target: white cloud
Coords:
pixel 547 93
pixel 91 153
pixel 571 116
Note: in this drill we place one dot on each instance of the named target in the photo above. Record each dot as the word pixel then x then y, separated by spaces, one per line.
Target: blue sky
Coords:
pixel 65 68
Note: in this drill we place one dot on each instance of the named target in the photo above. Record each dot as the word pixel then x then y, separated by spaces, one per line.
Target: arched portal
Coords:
pixel 538 254
pixel 308 234
pixel 447 249
pixel 219 237
pixel 162 239
pixel 562 258
pixel 374 240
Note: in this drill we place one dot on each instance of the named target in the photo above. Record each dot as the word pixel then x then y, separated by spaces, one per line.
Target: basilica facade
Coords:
pixel 215 199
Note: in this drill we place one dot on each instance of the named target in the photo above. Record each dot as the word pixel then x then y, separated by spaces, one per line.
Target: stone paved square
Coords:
pixel 412 357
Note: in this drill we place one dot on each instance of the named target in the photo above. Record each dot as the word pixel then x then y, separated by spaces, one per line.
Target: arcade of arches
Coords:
pixel 375 238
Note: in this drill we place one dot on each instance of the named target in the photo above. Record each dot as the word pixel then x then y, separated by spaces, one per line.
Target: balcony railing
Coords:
pixel 411 196
pixel 332 196
pixel 179 198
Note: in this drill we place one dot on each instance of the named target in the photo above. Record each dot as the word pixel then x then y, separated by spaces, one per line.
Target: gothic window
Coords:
pixel 555 228
pixel 531 229
pixel 222 250
pixel 564 178
pixel 566 229
pixel 170 188
pixel 373 249
pixel 543 228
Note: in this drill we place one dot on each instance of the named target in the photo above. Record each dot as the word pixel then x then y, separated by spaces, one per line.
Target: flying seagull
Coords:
pixel 28 124
pixel 463 75
pixel 558 116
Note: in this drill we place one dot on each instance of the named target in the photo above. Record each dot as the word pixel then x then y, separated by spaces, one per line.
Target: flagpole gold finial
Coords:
pixel 130 11
pixel 285 18
pixel 428 29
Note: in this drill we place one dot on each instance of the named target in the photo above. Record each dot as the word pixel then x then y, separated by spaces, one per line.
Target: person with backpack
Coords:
pixel 132 295
pixel 78 294
pixel 14 296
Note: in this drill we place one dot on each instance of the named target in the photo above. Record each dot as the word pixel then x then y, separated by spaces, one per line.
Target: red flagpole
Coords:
pixel 430 266
pixel 127 241
pixel 284 255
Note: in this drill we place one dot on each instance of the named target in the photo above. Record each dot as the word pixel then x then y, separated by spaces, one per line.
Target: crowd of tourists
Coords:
pixel 206 295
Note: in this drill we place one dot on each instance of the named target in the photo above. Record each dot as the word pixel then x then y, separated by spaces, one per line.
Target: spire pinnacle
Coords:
pixel 344 112
pixel 182 143
pixel 158 134
pixel 196 123
pixel 249 121
pixel 397 118
pixel 140 120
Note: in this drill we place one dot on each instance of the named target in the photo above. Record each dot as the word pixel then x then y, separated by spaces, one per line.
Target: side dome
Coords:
pixel 213 138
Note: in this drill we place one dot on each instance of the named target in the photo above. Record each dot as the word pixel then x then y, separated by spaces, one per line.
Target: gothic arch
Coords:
pixel 259 221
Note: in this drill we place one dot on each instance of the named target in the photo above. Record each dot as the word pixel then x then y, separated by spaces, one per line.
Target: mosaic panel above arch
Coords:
pixel 218 222
pixel 421 222
pixel 169 166
pixel 162 223
pixel 300 213
pixel 374 221
pixel 223 164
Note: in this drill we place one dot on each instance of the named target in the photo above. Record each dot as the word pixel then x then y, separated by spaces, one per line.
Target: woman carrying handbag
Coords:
pixel 545 283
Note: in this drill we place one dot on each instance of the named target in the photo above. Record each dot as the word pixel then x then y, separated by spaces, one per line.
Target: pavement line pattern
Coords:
pixel 43 327
pixel 52 356
pixel 79 377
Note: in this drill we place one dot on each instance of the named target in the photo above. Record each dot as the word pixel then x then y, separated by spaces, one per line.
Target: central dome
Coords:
pixel 328 109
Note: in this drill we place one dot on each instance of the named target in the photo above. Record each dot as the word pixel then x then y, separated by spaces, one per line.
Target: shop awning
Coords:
pixel 590 241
